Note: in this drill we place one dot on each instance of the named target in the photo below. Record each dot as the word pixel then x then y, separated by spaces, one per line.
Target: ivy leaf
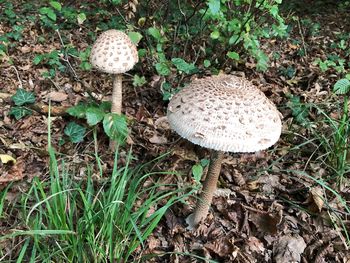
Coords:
pixel 19 112
pixel 214 6
pixel 162 69
pixel 139 81
pixel 342 86
pixel 94 115
pixel 78 111
pixel 183 66
pixel 115 126
pixel 23 97
pixel 75 132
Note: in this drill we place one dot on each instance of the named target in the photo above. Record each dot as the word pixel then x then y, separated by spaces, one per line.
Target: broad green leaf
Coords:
pixel 23 97
pixel 106 106
pixel 51 14
pixel 44 10
pixel 197 172
pixel 56 5
pixel 342 86
pixel 81 17
pixel 215 34
pixel 154 32
pixel 94 115
pixel 183 66
pixel 75 132
pixel 77 111
pixel 214 6
pixel 233 55
pixel 163 69
pixel 135 37
pixel 19 112
pixel 139 81
pixel 115 126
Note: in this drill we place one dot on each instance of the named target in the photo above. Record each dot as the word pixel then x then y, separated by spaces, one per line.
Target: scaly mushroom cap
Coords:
pixel 113 52
pixel 225 113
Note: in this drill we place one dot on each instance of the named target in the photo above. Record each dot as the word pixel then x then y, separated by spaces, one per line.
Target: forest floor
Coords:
pixel 276 202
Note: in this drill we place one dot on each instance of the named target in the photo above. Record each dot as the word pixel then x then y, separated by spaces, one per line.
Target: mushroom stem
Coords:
pixel 117 94
pixel 209 187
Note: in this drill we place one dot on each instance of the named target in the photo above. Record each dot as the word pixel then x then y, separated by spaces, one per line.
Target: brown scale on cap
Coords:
pixel 106 54
pixel 228 111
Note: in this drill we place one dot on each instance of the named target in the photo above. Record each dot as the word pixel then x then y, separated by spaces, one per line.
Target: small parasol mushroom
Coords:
pixel 224 113
pixel 114 53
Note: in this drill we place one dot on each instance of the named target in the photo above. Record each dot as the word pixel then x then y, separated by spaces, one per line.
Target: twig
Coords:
pixel 302 37
pixel 65 59
pixel 18 77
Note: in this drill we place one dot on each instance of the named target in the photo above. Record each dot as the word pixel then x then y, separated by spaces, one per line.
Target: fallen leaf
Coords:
pixel 315 199
pixel 288 248
pixel 266 222
pixel 5 158
pixel 222 246
pixel 15 173
pixel 255 245
pixel 57 96
pixel 156 139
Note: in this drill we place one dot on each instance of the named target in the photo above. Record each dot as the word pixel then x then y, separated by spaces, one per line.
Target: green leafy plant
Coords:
pixel 300 111
pixel 114 125
pixel 21 99
pixel 75 132
pixel 233 27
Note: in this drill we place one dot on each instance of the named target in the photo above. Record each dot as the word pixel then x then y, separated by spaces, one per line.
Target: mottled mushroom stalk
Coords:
pixel 117 94
pixel 114 53
pixel 223 113
pixel 208 190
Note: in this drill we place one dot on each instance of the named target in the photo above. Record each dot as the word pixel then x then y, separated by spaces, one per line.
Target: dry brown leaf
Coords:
pixel 255 245
pixel 15 173
pixel 288 248
pixel 266 222
pixel 315 199
pixel 57 96
pixel 222 246
pixel 158 139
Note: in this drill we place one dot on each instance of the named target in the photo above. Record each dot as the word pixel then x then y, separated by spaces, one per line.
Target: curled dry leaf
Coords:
pixel 221 246
pixel 15 173
pixel 266 222
pixel 288 248
pixel 158 139
pixel 57 96
pixel 315 199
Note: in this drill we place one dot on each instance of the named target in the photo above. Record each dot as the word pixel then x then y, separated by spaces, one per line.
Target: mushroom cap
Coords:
pixel 113 52
pixel 225 113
